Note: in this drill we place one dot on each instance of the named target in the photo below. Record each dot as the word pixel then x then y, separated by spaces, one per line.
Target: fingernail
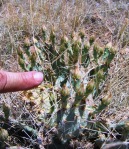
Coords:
pixel 38 76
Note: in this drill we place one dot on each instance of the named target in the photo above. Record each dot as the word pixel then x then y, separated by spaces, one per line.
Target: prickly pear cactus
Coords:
pixel 74 68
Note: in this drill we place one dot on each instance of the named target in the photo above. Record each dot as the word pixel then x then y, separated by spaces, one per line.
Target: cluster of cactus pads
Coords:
pixel 75 69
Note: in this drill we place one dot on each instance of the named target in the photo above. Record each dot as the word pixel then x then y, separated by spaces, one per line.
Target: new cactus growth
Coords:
pixel 65 64
pixel 44 32
pixel 3 137
pixel 105 101
pixel 27 42
pixel 6 111
pixel 82 34
pixel 3 134
pixel 97 52
pixel 91 40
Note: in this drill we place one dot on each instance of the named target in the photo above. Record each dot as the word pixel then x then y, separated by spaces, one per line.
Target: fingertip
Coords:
pixel 11 82
pixel 38 77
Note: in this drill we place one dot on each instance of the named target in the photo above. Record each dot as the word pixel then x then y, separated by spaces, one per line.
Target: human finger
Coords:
pixel 11 82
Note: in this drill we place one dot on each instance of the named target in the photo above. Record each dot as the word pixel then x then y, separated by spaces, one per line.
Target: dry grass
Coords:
pixel 27 17
pixel 102 19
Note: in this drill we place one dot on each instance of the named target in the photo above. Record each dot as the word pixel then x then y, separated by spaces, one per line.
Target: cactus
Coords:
pixel 3 137
pixel 6 110
pixel 75 68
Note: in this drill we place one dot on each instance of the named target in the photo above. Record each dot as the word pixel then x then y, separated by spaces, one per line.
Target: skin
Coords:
pixel 12 82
